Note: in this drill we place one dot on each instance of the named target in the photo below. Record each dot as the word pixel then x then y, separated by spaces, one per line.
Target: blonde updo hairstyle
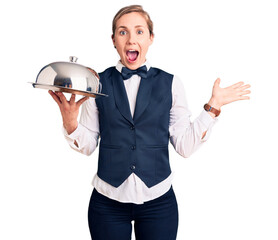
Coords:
pixel 130 9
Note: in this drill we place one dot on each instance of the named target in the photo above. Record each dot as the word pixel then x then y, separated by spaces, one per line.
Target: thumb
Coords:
pixel 81 101
pixel 217 82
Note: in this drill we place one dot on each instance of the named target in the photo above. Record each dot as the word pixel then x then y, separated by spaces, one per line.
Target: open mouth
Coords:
pixel 132 55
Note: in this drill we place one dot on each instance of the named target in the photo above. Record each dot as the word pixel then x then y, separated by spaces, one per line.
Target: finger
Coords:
pixel 82 100
pixel 55 97
pixel 62 97
pixel 240 98
pixel 237 85
pixel 245 92
pixel 72 98
pixel 244 98
pixel 245 87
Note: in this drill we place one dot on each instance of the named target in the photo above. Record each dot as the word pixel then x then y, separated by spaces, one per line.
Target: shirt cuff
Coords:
pixel 73 136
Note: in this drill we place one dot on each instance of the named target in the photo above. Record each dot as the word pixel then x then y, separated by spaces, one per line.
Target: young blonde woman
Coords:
pixel 146 109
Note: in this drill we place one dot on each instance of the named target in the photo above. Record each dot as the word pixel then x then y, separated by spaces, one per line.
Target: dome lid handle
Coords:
pixel 73 59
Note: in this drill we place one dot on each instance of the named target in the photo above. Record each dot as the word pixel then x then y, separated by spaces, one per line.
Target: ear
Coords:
pixel 113 39
pixel 151 38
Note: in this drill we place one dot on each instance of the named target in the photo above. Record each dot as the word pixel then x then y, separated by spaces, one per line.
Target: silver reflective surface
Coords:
pixel 69 77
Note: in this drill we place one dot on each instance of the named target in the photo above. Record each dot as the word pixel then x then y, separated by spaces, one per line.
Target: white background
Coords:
pixel 226 190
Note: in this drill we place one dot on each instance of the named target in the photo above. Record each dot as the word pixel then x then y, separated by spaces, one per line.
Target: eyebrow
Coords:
pixel 127 27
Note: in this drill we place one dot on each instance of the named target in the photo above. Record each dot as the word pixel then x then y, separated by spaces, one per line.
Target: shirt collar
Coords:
pixel 119 65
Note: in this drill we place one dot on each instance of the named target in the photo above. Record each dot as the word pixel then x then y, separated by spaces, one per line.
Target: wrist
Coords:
pixel 70 127
pixel 215 104
pixel 212 111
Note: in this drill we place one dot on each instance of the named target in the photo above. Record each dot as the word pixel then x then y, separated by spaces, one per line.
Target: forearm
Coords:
pixel 70 127
pixel 213 103
pixel 189 136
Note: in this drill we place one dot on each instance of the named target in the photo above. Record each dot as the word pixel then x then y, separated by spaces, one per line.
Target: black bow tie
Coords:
pixel 127 73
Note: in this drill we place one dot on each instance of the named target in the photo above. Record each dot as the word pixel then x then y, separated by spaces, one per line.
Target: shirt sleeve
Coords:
pixel 186 136
pixel 87 133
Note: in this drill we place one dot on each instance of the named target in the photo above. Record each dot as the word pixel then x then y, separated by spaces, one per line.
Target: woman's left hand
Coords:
pixel 222 96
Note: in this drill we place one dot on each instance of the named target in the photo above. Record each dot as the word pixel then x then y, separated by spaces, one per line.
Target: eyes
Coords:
pixel 125 32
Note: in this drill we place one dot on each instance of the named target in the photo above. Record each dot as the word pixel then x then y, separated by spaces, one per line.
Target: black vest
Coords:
pixel 140 144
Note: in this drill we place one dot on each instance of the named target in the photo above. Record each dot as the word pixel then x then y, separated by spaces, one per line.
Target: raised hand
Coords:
pixel 222 96
pixel 69 109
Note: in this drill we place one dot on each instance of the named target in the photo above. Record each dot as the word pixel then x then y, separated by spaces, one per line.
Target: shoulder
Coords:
pixel 177 82
pixel 161 74
pixel 158 71
pixel 107 72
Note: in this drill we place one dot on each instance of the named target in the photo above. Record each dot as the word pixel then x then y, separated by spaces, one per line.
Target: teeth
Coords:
pixel 132 50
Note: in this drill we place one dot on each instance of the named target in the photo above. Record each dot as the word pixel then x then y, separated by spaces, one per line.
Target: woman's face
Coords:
pixel 132 39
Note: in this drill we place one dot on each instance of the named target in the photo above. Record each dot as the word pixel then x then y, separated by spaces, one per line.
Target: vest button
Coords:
pixel 133 147
pixel 132 127
pixel 132 167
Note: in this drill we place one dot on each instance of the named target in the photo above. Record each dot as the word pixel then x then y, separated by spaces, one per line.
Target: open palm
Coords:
pixel 235 92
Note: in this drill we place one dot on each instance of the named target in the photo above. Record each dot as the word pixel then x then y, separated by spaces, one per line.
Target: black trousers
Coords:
pixel 154 220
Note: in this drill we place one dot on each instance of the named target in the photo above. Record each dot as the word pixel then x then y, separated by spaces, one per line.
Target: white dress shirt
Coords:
pixel 185 136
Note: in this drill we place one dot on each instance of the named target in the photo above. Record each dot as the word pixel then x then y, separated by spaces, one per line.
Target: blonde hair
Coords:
pixel 130 9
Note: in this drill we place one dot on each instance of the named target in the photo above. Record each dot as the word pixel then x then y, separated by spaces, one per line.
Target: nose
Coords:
pixel 132 38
